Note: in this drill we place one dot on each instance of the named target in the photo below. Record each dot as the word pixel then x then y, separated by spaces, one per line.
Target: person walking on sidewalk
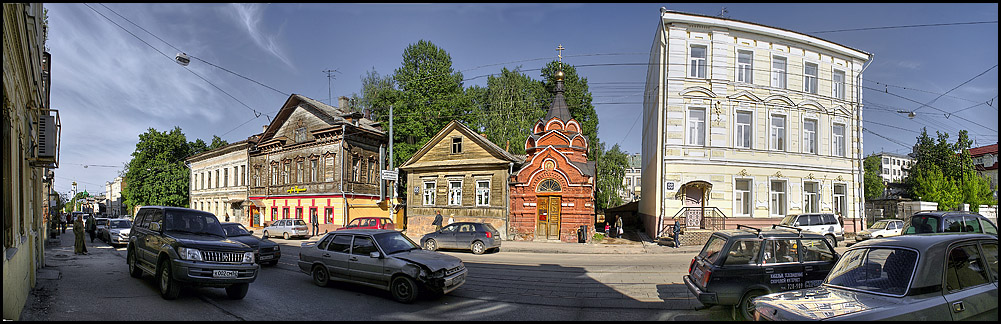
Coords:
pixel 79 246
pixel 437 220
pixel 618 226
pixel 677 234
pixel 91 227
pixel 316 225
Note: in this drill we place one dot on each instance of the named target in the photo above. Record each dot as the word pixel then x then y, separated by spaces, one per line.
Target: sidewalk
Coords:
pixel 616 246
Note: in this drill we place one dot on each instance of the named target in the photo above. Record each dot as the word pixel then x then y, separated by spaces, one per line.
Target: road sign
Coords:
pixel 390 175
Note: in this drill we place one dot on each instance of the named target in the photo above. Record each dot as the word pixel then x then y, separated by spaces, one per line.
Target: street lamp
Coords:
pixel 910 114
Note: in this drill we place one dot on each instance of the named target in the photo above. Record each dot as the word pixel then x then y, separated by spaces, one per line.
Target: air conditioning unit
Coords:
pixel 47 136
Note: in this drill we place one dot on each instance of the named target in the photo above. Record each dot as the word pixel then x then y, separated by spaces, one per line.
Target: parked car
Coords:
pixel 102 227
pixel 927 277
pixel 183 246
pixel 384 259
pixel 370 223
pixel 737 265
pixel 825 224
pixel 118 231
pixel 476 237
pixel 266 251
pixel 949 222
pixel 287 228
pixel 881 228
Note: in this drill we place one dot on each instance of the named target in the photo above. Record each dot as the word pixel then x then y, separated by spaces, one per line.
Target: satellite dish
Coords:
pixel 182 59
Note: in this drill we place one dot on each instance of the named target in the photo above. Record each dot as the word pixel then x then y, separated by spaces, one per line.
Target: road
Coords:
pixel 500 286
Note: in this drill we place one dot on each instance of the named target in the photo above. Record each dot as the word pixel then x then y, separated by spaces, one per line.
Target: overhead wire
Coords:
pixel 904 26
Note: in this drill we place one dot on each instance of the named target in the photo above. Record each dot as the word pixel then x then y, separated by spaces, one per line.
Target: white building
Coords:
pixel 113 200
pixel 985 160
pixel 746 123
pixel 894 167
pixel 631 181
pixel 219 182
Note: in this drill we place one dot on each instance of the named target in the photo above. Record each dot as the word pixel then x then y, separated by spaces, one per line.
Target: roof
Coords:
pixel 587 168
pixel 487 145
pixel 769 232
pixel 365 231
pixel 931 252
pixel 335 115
pixel 977 151
pixel 559 108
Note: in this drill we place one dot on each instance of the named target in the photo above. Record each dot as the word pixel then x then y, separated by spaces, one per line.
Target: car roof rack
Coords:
pixel 757 230
pixel 786 227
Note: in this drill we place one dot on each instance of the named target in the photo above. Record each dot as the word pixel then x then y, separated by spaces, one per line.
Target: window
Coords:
pixel 243 175
pixel 810 78
pixel 313 215
pixel 202 185
pixel 285 214
pixel 274 174
pixel 274 213
pixel 811 197
pixel 886 160
pixel 429 193
pixel 838 135
pixel 778 198
pixel 880 270
pixel 340 244
pixel 210 178
pixel 697 127
pixel 840 204
pixel 328 215
pixel 886 171
pixel 363 246
pixel 300 134
pixel 991 256
pixel 816 250
pixel 456 145
pixel 298 213
pixel 483 193
pixel 455 193
pixel 745 130
pixel 743 252
pixel 745 66
pixel 780 251
pixel 285 172
pixel 225 180
pixel 357 168
pixel 698 60
pixel 298 171
pixel 328 168
pixel 779 72
pixel 810 136
pixel 965 268
pixel 372 177
pixel 742 197
pixel 314 170
pixel 838 84
pixel 778 134
pixel 217 178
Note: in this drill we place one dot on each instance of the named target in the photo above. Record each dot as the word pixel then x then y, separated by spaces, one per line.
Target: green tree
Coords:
pixel 578 97
pixel 157 174
pixel 611 167
pixel 377 94
pixel 513 104
pixel 976 190
pixel 958 183
pixel 217 143
pixel 932 185
pixel 874 186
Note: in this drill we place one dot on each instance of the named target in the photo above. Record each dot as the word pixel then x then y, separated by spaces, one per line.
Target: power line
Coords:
pixel 905 26
pixel 950 90
pixel 932 107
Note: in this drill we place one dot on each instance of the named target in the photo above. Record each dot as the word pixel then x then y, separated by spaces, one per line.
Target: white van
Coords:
pixel 825 224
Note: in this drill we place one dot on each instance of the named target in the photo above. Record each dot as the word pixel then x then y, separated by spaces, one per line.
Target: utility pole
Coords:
pixel 330 96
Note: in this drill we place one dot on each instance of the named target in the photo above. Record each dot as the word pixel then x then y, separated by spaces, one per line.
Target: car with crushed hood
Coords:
pixel 267 252
pixel 384 259
pixel 925 277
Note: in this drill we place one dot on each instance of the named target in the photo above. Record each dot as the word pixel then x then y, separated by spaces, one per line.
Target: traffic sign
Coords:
pixel 390 175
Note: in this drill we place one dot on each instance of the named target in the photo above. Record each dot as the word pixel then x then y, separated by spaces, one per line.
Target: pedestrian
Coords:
pixel 227 217
pixel 79 247
pixel 677 234
pixel 450 219
pixel 437 220
pixel 91 227
pixel 618 226
pixel 316 225
pixel 607 229
pixel 69 219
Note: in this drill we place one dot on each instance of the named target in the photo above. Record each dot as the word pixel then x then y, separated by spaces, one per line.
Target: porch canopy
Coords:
pixel 699 184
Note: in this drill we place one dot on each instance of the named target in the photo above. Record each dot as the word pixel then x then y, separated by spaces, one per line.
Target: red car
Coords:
pixel 370 223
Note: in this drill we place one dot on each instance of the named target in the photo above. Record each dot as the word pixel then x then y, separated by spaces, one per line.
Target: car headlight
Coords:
pixel 189 254
pixel 248 257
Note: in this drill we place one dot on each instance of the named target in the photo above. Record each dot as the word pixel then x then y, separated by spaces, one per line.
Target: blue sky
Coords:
pixel 110 87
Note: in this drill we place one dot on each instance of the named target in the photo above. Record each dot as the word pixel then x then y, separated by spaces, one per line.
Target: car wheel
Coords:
pixel 880 236
pixel 404 289
pixel 430 245
pixel 285 235
pixel 266 234
pixel 169 289
pixel 477 247
pixel 320 276
pixel 237 291
pixel 746 307
pixel 134 269
pixel 830 239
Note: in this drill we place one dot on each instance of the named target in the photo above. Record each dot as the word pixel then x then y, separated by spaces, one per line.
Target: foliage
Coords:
pixel 377 94
pixel 932 185
pixel 943 172
pixel 509 108
pixel 611 169
pixel 873 182
pixel 578 97
pixel 157 174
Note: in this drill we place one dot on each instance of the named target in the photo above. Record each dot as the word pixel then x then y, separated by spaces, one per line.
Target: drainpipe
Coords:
pixel 344 200
pixel 507 206
pixel 858 141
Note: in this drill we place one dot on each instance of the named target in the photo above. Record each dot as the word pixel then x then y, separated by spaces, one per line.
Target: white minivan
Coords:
pixel 825 224
pixel 287 228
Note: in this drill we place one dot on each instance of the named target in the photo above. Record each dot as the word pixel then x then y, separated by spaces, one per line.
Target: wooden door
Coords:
pixel 554 218
pixel 548 217
pixel 693 198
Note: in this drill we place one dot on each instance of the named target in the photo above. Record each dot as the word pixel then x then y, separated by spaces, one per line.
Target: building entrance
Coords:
pixel 548 217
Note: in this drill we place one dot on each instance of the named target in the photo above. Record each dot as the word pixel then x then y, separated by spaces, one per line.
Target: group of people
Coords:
pixel 614 231
pixel 438 220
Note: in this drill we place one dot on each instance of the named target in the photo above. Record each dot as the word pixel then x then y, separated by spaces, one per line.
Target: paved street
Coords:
pixel 500 286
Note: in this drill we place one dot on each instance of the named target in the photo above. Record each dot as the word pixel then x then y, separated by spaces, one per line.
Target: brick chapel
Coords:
pixel 552 195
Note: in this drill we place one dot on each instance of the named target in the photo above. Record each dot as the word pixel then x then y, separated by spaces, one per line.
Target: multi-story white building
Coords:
pixel 985 160
pixel 746 123
pixel 631 181
pixel 219 182
pixel 894 167
pixel 113 201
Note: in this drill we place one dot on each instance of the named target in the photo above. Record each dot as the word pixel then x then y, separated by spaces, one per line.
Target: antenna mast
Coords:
pixel 330 96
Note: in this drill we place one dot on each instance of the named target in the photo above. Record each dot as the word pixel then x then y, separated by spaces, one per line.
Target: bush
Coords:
pixel 599 236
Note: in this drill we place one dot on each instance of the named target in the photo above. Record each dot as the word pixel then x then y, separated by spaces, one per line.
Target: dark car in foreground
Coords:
pixel 266 251
pixel 926 277
pixel 737 265
pixel 384 259
pixel 476 237
pixel 949 222
pixel 183 246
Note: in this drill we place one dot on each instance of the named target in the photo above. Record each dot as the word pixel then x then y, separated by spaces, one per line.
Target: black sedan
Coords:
pixel 266 252
pixel 476 237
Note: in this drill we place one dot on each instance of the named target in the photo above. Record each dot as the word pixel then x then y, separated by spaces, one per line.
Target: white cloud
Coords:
pixel 249 16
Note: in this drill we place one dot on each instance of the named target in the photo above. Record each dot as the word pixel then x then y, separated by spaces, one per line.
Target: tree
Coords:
pixel 611 169
pixel 578 98
pixel 874 186
pixel 157 174
pixel 933 185
pixel 512 105
pixel 944 172
pixel 377 94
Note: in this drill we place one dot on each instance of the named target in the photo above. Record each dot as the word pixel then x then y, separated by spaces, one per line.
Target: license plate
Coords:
pixel 697 274
pixel 456 280
pixel 266 257
pixel 224 273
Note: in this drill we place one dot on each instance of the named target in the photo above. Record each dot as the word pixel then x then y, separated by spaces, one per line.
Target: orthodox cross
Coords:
pixel 560 55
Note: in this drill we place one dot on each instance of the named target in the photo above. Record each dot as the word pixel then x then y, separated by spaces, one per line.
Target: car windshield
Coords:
pixel 710 252
pixel 788 220
pixel 120 223
pixel 102 222
pixel 879 225
pixel 235 230
pixel 394 242
pixel 877 270
pixel 192 221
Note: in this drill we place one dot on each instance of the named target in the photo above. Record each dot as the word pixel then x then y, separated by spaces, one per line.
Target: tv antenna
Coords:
pixel 330 96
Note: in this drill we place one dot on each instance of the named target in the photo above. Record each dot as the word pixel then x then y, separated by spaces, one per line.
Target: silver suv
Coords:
pixel 825 224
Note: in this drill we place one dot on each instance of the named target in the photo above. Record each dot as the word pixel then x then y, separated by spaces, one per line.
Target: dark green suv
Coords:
pixel 737 265
pixel 182 246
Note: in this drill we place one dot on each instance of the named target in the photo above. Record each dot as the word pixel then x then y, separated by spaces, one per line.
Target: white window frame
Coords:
pixel 780 77
pixel 811 82
pixel 843 197
pixel 694 66
pixel 689 132
pixel 811 199
pixel 454 193
pixel 838 88
pixel 737 141
pixel 483 194
pixel 773 137
pixel 838 149
pixel 745 71
pixel 811 137
pixel 738 197
pixel 783 200
pixel 429 192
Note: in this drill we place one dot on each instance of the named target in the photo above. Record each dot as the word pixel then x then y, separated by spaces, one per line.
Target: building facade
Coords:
pixel 985 160
pixel 632 190
pixel 113 201
pixel 30 150
pixel 745 123
pixel 552 195
pixel 462 175
pixel 316 161
pixel 219 183
pixel 894 167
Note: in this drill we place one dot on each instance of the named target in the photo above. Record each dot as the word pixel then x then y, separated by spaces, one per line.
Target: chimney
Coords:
pixel 264 128
pixel 342 102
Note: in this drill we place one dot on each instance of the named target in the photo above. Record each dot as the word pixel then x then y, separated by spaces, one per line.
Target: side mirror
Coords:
pixel 374 255
pixel 795 224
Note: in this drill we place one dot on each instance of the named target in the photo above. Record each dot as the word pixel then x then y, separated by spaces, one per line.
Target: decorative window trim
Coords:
pixel 750 197
pixel 785 195
pixel 704 67
pixel 737 65
pixel 705 125
pixel 816 135
pixel 429 194
pixel 736 132
pixel 482 198
pixel 454 193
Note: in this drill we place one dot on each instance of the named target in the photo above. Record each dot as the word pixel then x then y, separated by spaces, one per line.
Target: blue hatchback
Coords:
pixel 476 237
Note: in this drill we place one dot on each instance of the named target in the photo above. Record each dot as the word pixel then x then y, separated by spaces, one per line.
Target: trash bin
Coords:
pixel 582 234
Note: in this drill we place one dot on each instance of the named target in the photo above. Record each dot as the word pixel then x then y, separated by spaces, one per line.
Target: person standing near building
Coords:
pixel 618 226
pixel 91 227
pixel 79 246
pixel 437 220
pixel 451 219
pixel 677 234
pixel 316 225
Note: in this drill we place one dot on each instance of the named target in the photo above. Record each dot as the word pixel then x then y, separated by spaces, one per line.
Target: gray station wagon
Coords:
pixel 949 222
pixel 925 277
pixel 384 259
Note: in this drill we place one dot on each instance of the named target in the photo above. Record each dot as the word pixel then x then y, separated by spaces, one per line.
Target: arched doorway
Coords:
pixel 695 195
pixel 548 199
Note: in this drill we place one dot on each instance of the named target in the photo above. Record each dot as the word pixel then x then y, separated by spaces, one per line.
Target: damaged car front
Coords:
pixel 436 272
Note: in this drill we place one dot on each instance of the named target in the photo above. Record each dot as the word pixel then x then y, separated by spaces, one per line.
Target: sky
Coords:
pixel 109 86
